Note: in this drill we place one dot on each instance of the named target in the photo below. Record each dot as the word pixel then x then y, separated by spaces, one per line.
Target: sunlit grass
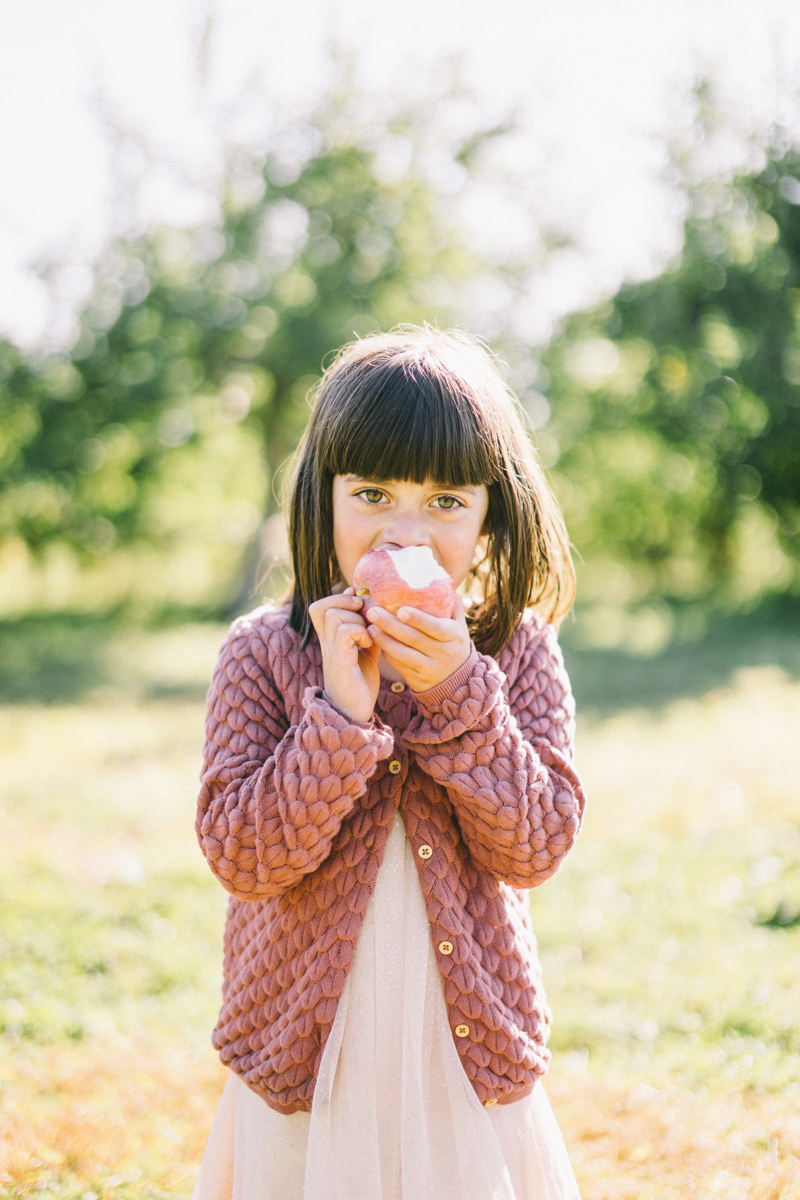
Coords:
pixel 676 1033
pixel 662 938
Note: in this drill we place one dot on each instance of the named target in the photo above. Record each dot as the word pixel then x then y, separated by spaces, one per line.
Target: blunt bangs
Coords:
pixel 399 422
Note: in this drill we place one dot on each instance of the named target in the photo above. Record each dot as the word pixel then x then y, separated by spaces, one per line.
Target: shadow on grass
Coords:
pixel 53 659
pixel 609 680
pixel 62 658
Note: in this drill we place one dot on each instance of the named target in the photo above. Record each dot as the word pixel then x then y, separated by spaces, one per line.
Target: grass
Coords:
pixel 671 950
pixel 670 940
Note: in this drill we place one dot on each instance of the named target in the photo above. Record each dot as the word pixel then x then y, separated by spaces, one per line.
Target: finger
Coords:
pixel 440 628
pixel 328 624
pixel 318 611
pixel 403 654
pixel 434 627
pixel 371 651
pixel 343 614
pixel 347 621
pixel 362 638
pixel 357 635
pixel 342 601
pixel 379 618
pixel 413 626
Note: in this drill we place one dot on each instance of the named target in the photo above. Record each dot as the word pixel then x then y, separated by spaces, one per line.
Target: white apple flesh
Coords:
pixel 410 577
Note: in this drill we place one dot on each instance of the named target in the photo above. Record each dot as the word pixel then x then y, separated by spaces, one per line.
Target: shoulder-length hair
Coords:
pixel 418 404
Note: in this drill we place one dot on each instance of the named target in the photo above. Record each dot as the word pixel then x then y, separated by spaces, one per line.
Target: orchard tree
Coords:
pixel 676 408
pixel 234 320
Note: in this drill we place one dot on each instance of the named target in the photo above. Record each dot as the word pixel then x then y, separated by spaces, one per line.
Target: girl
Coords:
pixel 379 792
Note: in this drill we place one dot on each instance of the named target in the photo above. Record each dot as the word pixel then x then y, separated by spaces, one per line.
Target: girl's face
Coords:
pixel 368 515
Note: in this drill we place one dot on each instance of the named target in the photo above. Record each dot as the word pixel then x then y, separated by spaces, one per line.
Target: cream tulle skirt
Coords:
pixel 394 1116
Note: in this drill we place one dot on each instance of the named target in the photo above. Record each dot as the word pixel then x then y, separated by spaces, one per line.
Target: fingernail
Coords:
pixel 403 614
pixel 371 613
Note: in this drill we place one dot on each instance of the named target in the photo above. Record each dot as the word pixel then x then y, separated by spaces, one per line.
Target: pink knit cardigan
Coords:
pixel 294 814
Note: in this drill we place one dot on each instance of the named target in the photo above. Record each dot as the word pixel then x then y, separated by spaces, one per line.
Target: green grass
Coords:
pixel 670 940
pixel 682 975
pixel 110 918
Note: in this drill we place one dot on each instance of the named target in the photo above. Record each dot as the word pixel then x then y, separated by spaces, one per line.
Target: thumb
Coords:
pixel 372 651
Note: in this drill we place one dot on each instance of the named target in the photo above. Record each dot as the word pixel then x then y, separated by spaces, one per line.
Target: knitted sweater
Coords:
pixel 295 810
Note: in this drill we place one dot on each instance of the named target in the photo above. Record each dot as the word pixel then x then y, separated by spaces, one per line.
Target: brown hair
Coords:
pixel 418 404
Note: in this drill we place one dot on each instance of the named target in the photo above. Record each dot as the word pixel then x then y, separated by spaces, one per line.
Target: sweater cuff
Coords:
pixel 462 703
pixel 316 699
pixel 430 702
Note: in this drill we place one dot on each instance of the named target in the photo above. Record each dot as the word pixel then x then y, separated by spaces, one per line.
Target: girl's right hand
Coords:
pixel 349 655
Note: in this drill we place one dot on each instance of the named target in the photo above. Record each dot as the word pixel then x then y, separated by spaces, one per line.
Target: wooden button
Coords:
pixel 425 851
pixel 395 767
pixel 398 687
pixel 489 1103
pixel 462 1030
pixel 445 947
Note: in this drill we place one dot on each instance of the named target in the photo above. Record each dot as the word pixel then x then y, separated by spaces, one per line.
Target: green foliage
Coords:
pixel 190 332
pixel 677 410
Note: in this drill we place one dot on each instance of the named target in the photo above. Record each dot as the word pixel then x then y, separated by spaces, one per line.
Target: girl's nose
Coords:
pixel 406 529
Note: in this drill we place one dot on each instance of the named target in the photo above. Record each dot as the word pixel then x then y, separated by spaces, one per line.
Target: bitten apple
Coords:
pixel 410 576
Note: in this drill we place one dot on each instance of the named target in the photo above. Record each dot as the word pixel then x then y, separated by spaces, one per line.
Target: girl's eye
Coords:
pixel 371 495
pixel 448 502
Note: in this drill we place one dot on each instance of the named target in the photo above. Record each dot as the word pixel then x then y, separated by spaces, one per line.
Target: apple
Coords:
pixel 411 576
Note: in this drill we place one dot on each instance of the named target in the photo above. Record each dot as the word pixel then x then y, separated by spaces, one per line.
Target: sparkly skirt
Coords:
pixel 394 1116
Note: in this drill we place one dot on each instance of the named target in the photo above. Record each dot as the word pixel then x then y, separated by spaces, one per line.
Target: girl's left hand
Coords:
pixel 425 650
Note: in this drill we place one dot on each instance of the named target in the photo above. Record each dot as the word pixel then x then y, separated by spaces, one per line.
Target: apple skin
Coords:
pixel 376 574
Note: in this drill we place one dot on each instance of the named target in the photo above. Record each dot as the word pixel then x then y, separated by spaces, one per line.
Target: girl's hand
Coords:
pixel 349 654
pixel 425 650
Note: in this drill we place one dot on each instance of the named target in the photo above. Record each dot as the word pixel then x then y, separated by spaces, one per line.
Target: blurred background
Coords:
pixel 200 201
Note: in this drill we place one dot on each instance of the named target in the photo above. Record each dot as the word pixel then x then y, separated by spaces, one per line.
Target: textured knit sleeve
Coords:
pixel 273 796
pixel 506 763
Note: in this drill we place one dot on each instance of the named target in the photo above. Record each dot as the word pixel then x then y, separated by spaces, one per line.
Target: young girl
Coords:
pixel 379 793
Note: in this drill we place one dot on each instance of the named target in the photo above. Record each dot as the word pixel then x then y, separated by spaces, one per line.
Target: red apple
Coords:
pixel 410 576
